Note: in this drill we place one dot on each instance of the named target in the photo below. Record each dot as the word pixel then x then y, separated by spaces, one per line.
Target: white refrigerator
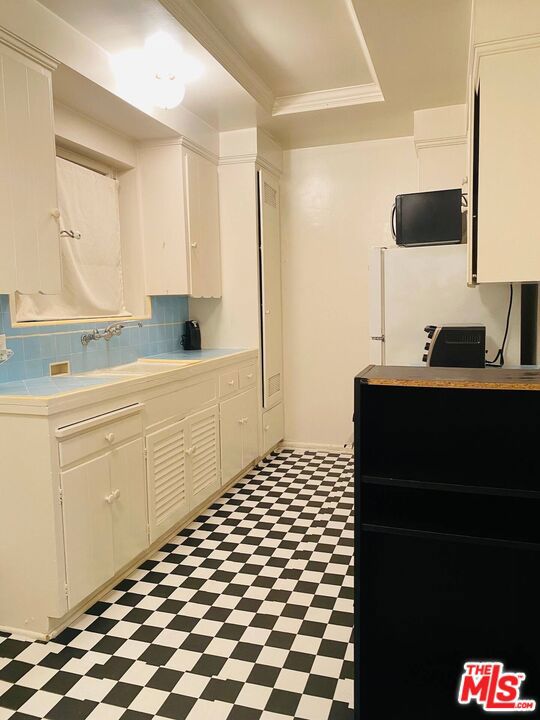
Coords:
pixel 418 286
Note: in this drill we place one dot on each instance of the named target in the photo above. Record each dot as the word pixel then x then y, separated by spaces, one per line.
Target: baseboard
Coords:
pixel 290 445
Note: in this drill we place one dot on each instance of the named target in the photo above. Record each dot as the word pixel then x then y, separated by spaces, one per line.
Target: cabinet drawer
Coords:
pixel 228 383
pixel 102 438
pixel 248 376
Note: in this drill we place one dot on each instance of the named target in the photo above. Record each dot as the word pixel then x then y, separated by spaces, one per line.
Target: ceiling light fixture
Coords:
pixel 156 75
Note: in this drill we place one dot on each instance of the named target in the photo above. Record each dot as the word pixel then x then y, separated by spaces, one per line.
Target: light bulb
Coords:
pixel 168 91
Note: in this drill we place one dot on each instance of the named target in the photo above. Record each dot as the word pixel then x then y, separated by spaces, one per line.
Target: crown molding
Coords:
pixel 441 142
pixel 253 158
pixel 27 49
pixel 180 142
pixel 195 22
pixel 326 99
pixel 497 47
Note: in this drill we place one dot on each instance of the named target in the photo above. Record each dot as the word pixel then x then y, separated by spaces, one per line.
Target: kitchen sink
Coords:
pixel 139 368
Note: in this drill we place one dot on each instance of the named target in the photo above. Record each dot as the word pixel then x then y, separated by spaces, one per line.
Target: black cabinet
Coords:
pixel 447 545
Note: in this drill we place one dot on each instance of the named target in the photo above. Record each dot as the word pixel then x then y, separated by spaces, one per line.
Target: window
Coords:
pixel 91 250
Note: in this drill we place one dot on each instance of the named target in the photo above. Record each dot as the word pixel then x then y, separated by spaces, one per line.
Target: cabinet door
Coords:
pixel 203 226
pixel 28 228
pixel 231 414
pixel 129 505
pixel 161 183
pixel 166 477
pixel 203 454
pixel 88 531
pixel 270 261
pixel 509 167
pixel 250 426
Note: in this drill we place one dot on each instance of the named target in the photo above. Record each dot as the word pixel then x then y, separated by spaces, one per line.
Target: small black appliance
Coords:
pixel 461 346
pixel 428 218
pixel 191 339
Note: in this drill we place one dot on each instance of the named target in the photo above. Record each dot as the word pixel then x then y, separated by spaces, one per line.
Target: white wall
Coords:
pixel 336 204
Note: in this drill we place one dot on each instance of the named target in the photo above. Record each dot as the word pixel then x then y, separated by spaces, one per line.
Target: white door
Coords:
pixel 203 455
pixel 29 230
pixel 250 426
pixel 231 414
pixel 166 477
pixel 88 529
pixel 129 504
pixel 270 254
pixel 203 225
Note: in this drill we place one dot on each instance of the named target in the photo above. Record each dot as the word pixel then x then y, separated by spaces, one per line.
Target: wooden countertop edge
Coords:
pixel 459 384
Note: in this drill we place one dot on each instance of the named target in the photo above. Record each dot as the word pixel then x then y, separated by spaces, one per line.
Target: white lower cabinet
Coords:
pixel 183 468
pixel 104 510
pixel 239 433
pixel 166 476
pixel 204 456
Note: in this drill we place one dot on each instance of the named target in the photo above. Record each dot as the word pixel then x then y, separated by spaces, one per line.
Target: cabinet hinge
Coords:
pixel 145 451
pixel 148 532
pixel 66 590
pixel 61 496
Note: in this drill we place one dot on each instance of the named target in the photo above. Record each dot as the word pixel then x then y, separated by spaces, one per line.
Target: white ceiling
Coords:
pixel 296 46
pixel 119 25
pixel 356 69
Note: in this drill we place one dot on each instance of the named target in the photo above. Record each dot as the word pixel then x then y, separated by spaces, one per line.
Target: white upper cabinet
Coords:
pixel 29 230
pixel 180 219
pixel 508 168
pixel 203 226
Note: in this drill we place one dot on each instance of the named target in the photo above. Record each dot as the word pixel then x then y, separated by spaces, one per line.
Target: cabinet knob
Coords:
pixel 266 428
pixel 230 382
pixel 249 376
pixel 116 494
pixel 109 438
pixel 55 212
pixel 109 498
pixel 191 450
pixel 267 312
pixel 194 244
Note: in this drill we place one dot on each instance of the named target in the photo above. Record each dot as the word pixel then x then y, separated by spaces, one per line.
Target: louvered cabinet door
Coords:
pixel 203 455
pixel 166 477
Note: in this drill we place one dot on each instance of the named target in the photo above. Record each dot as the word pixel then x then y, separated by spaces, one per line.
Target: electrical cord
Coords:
pixel 500 353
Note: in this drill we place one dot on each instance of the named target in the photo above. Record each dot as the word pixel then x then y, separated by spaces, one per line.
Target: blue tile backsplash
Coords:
pixel 36 347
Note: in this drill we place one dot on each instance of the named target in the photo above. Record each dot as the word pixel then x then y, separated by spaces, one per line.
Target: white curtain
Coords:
pixel 91 250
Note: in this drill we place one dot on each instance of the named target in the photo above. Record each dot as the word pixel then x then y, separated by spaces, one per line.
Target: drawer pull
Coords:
pixel 110 438
pixel 116 494
pixel 243 421
pixel 109 498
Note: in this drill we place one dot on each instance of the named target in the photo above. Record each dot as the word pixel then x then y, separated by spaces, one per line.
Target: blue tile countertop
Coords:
pixel 50 386
pixel 47 386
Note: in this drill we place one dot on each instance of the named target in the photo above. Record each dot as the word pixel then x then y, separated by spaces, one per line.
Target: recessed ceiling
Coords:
pixel 311 72
pixel 296 46
pixel 418 51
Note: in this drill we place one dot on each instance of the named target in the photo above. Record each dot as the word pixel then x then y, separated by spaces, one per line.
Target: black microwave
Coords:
pixel 428 218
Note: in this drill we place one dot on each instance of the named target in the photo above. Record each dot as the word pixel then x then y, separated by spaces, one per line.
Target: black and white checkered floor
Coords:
pixel 246 614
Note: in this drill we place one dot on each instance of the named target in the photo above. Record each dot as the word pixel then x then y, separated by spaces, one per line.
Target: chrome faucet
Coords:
pixel 106 334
